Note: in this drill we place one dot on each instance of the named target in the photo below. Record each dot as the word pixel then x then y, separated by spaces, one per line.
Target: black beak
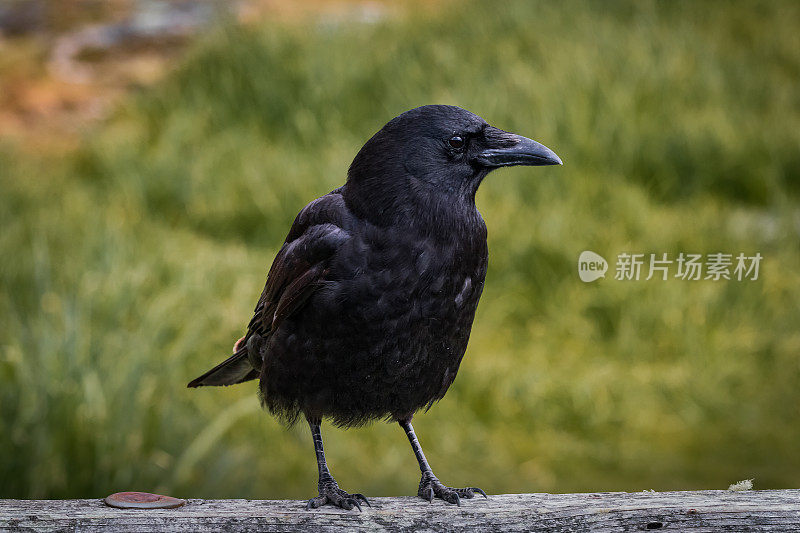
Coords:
pixel 508 149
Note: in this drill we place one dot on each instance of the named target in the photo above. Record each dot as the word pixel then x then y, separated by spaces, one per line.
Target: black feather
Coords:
pixel 368 306
pixel 235 369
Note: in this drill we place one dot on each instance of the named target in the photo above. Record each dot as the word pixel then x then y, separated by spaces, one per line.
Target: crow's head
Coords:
pixel 436 152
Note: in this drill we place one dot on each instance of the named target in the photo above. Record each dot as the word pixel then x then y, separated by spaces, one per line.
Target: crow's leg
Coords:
pixel 329 491
pixel 429 485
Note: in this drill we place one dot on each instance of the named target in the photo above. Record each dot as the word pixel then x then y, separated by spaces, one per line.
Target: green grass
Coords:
pixel 131 265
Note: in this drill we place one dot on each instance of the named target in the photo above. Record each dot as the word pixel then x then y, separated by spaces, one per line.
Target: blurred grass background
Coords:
pixel 133 261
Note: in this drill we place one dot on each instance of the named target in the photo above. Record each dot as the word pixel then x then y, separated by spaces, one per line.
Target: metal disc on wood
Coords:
pixel 142 500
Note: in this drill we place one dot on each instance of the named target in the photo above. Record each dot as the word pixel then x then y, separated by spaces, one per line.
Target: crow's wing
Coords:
pixel 299 269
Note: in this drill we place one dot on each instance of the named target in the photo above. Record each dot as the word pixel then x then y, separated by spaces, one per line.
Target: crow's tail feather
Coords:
pixel 235 369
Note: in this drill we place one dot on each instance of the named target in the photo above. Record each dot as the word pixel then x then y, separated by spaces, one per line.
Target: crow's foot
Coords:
pixel 430 487
pixel 329 492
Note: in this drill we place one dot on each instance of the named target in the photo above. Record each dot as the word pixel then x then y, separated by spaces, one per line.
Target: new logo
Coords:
pixel 591 266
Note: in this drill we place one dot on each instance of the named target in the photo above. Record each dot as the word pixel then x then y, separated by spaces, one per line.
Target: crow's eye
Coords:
pixel 456 141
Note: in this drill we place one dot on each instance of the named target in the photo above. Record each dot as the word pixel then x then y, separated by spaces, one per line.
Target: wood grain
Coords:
pixel 768 510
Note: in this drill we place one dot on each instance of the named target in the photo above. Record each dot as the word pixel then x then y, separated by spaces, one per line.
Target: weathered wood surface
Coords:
pixel 769 510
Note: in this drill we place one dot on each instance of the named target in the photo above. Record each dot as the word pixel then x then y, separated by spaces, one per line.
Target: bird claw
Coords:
pixel 430 487
pixel 359 496
pixel 479 491
pixel 316 501
pixel 330 493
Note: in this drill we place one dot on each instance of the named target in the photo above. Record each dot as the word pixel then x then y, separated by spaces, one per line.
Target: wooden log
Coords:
pixel 763 510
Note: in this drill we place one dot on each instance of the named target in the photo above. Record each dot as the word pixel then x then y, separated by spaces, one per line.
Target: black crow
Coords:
pixel 369 303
